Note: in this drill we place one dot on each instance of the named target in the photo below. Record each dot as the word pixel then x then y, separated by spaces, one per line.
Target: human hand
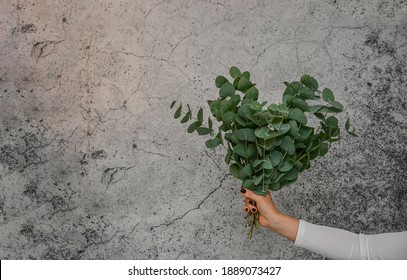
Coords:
pixel 268 212
pixel 269 216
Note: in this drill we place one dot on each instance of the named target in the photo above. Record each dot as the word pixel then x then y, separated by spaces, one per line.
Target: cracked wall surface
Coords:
pixel 93 166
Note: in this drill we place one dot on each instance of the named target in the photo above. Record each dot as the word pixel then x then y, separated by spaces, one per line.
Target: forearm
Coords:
pixel 284 225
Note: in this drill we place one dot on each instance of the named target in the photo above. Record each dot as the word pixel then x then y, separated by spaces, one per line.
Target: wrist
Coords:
pixel 284 225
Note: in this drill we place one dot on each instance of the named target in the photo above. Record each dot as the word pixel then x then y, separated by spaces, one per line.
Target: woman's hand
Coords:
pixel 263 204
pixel 269 216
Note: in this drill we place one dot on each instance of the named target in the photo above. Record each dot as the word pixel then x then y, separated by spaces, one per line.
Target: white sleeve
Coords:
pixel 336 243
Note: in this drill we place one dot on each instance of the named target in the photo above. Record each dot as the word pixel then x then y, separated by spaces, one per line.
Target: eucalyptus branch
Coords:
pixel 263 141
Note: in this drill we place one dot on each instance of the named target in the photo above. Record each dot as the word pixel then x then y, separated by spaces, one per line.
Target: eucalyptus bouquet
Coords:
pixel 267 146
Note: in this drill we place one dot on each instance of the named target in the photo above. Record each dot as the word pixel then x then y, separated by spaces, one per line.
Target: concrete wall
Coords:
pixel 93 165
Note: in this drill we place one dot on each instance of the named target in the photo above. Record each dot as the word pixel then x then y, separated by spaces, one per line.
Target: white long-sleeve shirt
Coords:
pixel 336 243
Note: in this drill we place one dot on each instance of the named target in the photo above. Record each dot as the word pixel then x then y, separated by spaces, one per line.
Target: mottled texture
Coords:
pixel 93 166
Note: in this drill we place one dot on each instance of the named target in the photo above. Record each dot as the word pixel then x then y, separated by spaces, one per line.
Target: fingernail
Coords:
pixel 251 202
pixel 242 190
pixel 254 210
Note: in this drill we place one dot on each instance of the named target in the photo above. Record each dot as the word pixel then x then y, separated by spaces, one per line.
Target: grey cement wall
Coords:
pixel 93 166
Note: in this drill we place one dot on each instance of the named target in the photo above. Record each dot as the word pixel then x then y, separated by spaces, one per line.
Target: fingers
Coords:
pixel 250 208
pixel 249 202
pixel 250 195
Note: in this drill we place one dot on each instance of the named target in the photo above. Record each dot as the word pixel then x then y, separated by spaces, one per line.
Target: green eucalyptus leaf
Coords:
pixel 203 130
pixel 200 115
pixel 187 117
pixel 331 122
pixel 272 135
pixel 246 74
pixel 285 166
pixel 337 105
pixel 323 149
pixel 246 171
pixel 235 72
pixel 301 104
pixel 246 134
pixel 244 122
pixel 229 117
pixel 173 104
pixel 276 122
pixel 288 145
pixel 244 111
pixel 273 108
pixel 193 126
pixel 327 95
pixel 220 80
pixel 262 132
pixel 178 112
pixel 244 84
pixel 248 183
pixel 258 179
pixel 234 100
pixel 234 169
pixel 284 128
pixel 276 157
pixel 309 82
pixel 244 151
pixel 212 143
pixel 319 116
pixel 231 137
pixel 315 109
pixel 210 123
pixel 283 110
pixel 298 115
pixel 267 164
pixel 257 162
pixel 307 93
pixel 226 90
pixel 291 175
pixel 293 128
pixel 252 93
pixel 347 125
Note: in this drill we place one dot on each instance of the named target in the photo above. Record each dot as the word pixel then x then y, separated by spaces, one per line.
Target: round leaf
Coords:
pixel 244 84
pixel 246 134
pixel 234 170
pixel 288 145
pixel 327 95
pixel 235 72
pixel 276 157
pixel 298 115
pixel 252 93
pixel 309 82
pixel 220 80
pixel 285 166
pixel 331 122
pixel 226 90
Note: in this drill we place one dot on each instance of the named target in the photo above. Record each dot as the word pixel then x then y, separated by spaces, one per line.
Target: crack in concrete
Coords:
pixel 149 152
pixel 213 160
pixel 102 242
pixel 39 48
pixel 128 235
pixel 109 175
pixel 66 140
pixel 154 7
pixel 192 209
